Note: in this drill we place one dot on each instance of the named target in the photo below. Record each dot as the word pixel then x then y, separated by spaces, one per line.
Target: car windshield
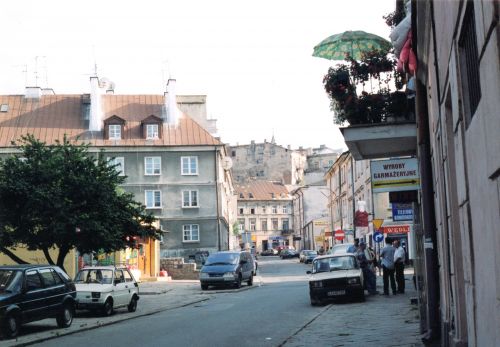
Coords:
pixel 334 264
pixel 94 276
pixel 222 259
pixel 311 253
pixel 10 281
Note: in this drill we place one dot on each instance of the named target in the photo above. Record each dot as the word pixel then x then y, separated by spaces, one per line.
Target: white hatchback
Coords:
pixel 106 288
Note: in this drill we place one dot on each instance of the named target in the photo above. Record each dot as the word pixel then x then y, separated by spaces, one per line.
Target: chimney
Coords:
pixel 172 112
pixel 95 121
pixel 33 93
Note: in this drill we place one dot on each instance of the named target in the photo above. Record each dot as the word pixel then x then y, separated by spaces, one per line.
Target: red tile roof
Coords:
pixel 262 190
pixel 52 116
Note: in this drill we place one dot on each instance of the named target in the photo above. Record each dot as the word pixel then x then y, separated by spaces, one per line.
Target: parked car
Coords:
pixel 335 276
pixel 106 288
pixel 270 251
pixel 307 256
pixel 34 292
pixel 340 248
pixel 227 268
pixel 289 253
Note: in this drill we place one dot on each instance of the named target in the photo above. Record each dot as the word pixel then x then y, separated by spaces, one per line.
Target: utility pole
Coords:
pixel 353 197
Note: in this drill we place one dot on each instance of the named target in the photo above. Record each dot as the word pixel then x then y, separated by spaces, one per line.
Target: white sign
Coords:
pixel 395 175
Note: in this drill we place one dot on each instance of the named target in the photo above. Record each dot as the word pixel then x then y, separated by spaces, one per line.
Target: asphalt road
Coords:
pixel 267 315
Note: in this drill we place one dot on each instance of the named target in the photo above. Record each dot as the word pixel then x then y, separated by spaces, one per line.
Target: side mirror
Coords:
pixel 308 272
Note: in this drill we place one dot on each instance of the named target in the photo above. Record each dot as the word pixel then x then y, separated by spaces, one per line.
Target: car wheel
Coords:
pixel 204 286
pixel 250 281
pixel 238 282
pixel 315 302
pixel 11 325
pixel 107 310
pixel 65 317
pixel 132 306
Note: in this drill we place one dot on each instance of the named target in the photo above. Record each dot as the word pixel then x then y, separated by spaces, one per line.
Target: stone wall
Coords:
pixel 178 270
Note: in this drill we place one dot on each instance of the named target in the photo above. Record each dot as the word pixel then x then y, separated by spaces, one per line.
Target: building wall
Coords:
pixel 267 161
pixel 465 149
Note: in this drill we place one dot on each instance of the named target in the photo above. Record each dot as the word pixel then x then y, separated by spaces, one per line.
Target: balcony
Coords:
pixel 287 232
pixel 382 140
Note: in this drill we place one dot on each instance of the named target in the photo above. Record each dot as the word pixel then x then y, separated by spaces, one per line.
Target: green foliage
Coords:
pixel 64 196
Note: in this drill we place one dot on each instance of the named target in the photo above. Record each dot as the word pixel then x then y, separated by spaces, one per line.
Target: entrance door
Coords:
pixel 264 245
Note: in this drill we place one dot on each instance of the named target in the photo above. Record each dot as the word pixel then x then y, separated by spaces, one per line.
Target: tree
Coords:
pixel 62 196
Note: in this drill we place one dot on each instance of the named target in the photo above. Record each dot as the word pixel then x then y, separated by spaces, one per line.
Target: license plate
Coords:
pixel 336 292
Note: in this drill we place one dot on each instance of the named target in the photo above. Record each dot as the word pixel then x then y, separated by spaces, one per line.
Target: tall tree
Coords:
pixel 63 197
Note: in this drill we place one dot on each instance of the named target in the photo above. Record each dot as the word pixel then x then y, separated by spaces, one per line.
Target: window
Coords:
pixel 127 276
pixel 241 211
pixel 33 281
pixel 275 209
pixel 152 166
pixel 115 131
pixel 189 165
pixel 48 278
pixel 233 153
pixel 250 195
pixel 153 198
pixel 469 63
pixel 241 225
pixel 252 211
pixel 285 224
pixel 264 209
pixel 4 108
pixel 151 131
pixel 191 233
pixel 274 221
pixel 253 223
pixel 119 276
pixel 285 209
pixel 118 163
pixel 263 224
pixel 190 198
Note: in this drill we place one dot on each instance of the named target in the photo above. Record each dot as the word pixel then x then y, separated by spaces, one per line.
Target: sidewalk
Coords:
pixel 379 321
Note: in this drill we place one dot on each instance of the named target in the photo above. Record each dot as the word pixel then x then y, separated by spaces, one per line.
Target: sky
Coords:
pixel 253 59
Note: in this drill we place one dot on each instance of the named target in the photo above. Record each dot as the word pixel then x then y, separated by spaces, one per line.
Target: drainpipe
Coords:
pixel 353 198
pixel 216 171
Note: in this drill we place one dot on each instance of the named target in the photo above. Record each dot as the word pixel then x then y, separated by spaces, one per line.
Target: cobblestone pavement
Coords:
pixel 379 321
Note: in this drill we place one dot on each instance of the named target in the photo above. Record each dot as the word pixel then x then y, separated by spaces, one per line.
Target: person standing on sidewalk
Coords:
pixel 387 256
pixel 365 263
pixel 399 266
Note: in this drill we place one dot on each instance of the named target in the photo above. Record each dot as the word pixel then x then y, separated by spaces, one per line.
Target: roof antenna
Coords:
pixel 95 61
pixel 36 69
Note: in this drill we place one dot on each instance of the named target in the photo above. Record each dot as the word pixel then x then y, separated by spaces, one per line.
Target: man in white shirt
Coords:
pixel 399 266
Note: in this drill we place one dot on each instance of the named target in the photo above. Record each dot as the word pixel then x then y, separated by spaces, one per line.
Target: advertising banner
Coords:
pixel 395 175
pixel 402 212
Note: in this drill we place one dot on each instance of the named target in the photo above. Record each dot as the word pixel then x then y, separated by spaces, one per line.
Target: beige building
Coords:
pixel 265 212
pixel 268 161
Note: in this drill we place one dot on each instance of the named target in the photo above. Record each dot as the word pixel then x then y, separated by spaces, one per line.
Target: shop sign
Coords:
pixel 402 212
pixel 396 229
pixel 394 175
pixel 320 223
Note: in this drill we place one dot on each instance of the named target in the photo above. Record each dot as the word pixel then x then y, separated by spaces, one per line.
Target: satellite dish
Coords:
pixel 227 163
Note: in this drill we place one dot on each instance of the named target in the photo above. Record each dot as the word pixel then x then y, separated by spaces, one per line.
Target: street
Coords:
pixel 274 312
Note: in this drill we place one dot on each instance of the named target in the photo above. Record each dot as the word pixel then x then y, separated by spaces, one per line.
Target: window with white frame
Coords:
pixel 118 163
pixel 274 222
pixel 189 198
pixel 275 209
pixel 115 131
pixel 189 165
pixel 253 223
pixel 151 131
pixel 153 198
pixel 152 166
pixel 191 233
pixel 241 225
pixel 264 209
pixel 285 224
pixel 285 209
pixel 263 224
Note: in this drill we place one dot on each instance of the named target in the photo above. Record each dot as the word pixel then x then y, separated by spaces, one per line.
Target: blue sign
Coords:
pixel 378 236
pixel 402 212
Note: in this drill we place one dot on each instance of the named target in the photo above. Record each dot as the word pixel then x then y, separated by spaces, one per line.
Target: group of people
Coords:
pixel 392 259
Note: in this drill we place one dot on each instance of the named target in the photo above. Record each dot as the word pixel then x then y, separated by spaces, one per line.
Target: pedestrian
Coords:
pixel 321 251
pixel 353 248
pixel 399 266
pixel 387 256
pixel 365 260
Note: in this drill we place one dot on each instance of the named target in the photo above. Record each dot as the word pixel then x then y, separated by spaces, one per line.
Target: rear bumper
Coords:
pixel 332 293
pixel 218 281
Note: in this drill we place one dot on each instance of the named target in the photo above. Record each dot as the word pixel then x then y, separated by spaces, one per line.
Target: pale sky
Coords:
pixel 253 59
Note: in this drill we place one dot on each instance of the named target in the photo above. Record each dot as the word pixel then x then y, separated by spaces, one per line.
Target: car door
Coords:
pixel 248 266
pixel 119 289
pixel 129 285
pixel 52 291
pixel 33 304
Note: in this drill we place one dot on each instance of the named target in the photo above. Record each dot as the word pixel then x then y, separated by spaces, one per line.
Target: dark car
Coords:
pixel 309 256
pixel 289 253
pixel 34 292
pixel 227 268
pixel 334 277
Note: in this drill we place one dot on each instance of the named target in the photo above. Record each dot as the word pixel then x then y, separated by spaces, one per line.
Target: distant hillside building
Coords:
pixel 267 161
